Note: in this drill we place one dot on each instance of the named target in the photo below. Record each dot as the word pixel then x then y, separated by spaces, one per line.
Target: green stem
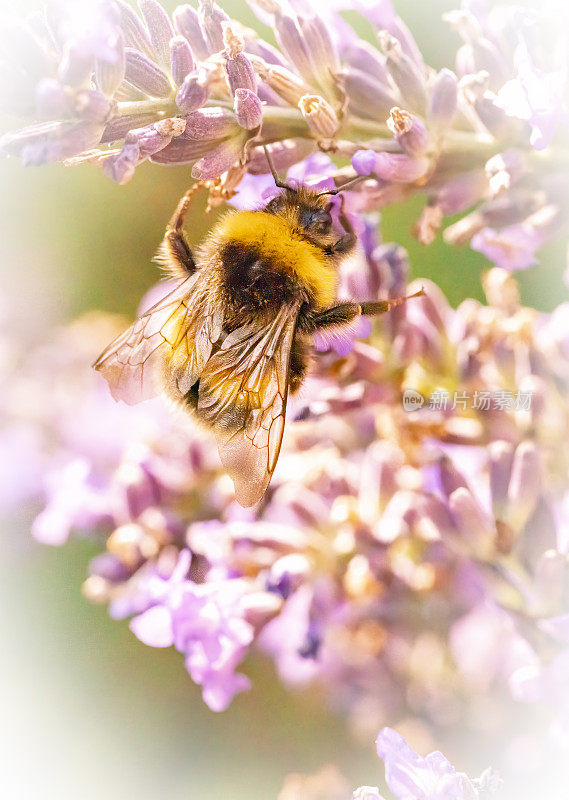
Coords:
pixel 283 123
pixel 164 107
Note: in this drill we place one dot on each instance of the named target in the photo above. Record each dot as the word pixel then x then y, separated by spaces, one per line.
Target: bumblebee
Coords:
pixel 234 337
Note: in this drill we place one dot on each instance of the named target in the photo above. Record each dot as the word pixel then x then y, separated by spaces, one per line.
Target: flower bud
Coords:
pixel 181 151
pixel 281 80
pixel 409 131
pixel 248 109
pixel 319 115
pixel 406 74
pixel 378 479
pixel 368 98
pixel 118 127
pixel 501 455
pixel 160 29
pixel 192 94
pixel 109 74
pixel 187 24
pixel 210 123
pixel 51 141
pixel 181 59
pixel 361 56
pixel 109 567
pixel 461 192
pixel 135 34
pixel 139 145
pixel 494 119
pixel 218 160
pixel 321 49
pixel 212 19
pixel 283 155
pixel 443 101
pixel 525 485
pixel 512 248
pixel 389 166
pixel 239 69
pixel 473 523
pixel 487 57
pixel 292 43
pixel 145 75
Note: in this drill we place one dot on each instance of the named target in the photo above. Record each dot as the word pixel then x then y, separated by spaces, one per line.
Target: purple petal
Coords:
pixel 160 30
pixel 218 160
pixel 248 109
pixel 187 23
pixel 181 59
pixel 513 248
pixel 145 75
pixel 154 627
pixel 135 34
pixel 192 94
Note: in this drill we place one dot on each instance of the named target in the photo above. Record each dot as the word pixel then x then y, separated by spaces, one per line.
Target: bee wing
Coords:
pixel 242 395
pixel 132 363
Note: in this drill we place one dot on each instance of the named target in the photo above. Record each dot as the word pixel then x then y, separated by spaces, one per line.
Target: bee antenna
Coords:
pixel 276 178
pixel 339 189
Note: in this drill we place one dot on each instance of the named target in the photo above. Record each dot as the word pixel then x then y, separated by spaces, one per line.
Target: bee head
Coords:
pixel 306 211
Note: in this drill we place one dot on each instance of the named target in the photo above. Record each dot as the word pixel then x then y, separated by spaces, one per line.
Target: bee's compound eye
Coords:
pixel 316 221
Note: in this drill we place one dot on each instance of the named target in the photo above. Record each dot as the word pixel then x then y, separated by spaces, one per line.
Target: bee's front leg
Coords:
pixel 347 242
pixel 175 244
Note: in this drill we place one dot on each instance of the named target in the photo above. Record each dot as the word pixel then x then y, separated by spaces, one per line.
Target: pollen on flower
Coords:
pixel 399 121
pixel 172 127
pixel 319 115
pixel 233 42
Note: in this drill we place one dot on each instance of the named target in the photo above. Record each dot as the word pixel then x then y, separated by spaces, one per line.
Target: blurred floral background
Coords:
pixel 409 568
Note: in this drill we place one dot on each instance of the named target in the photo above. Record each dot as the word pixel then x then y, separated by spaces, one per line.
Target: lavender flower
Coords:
pixel 130 82
pixel 206 623
pixel 408 775
pixel 512 248
pixel 442 513
pixel 117 88
pixel 392 536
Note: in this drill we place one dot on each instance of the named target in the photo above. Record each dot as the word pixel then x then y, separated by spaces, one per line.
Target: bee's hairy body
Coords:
pixel 235 335
pixel 255 262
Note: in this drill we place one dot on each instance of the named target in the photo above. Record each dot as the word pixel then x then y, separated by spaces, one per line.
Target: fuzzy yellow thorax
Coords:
pixel 276 240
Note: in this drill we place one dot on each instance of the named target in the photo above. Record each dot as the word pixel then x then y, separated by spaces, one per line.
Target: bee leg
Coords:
pixel 331 317
pixel 346 312
pixel 345 243
pixel 175 243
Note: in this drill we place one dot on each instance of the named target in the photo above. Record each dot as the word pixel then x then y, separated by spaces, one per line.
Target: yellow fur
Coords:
pixel 278 241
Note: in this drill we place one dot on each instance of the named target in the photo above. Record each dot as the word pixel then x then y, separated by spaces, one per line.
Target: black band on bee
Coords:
pixel 251 278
